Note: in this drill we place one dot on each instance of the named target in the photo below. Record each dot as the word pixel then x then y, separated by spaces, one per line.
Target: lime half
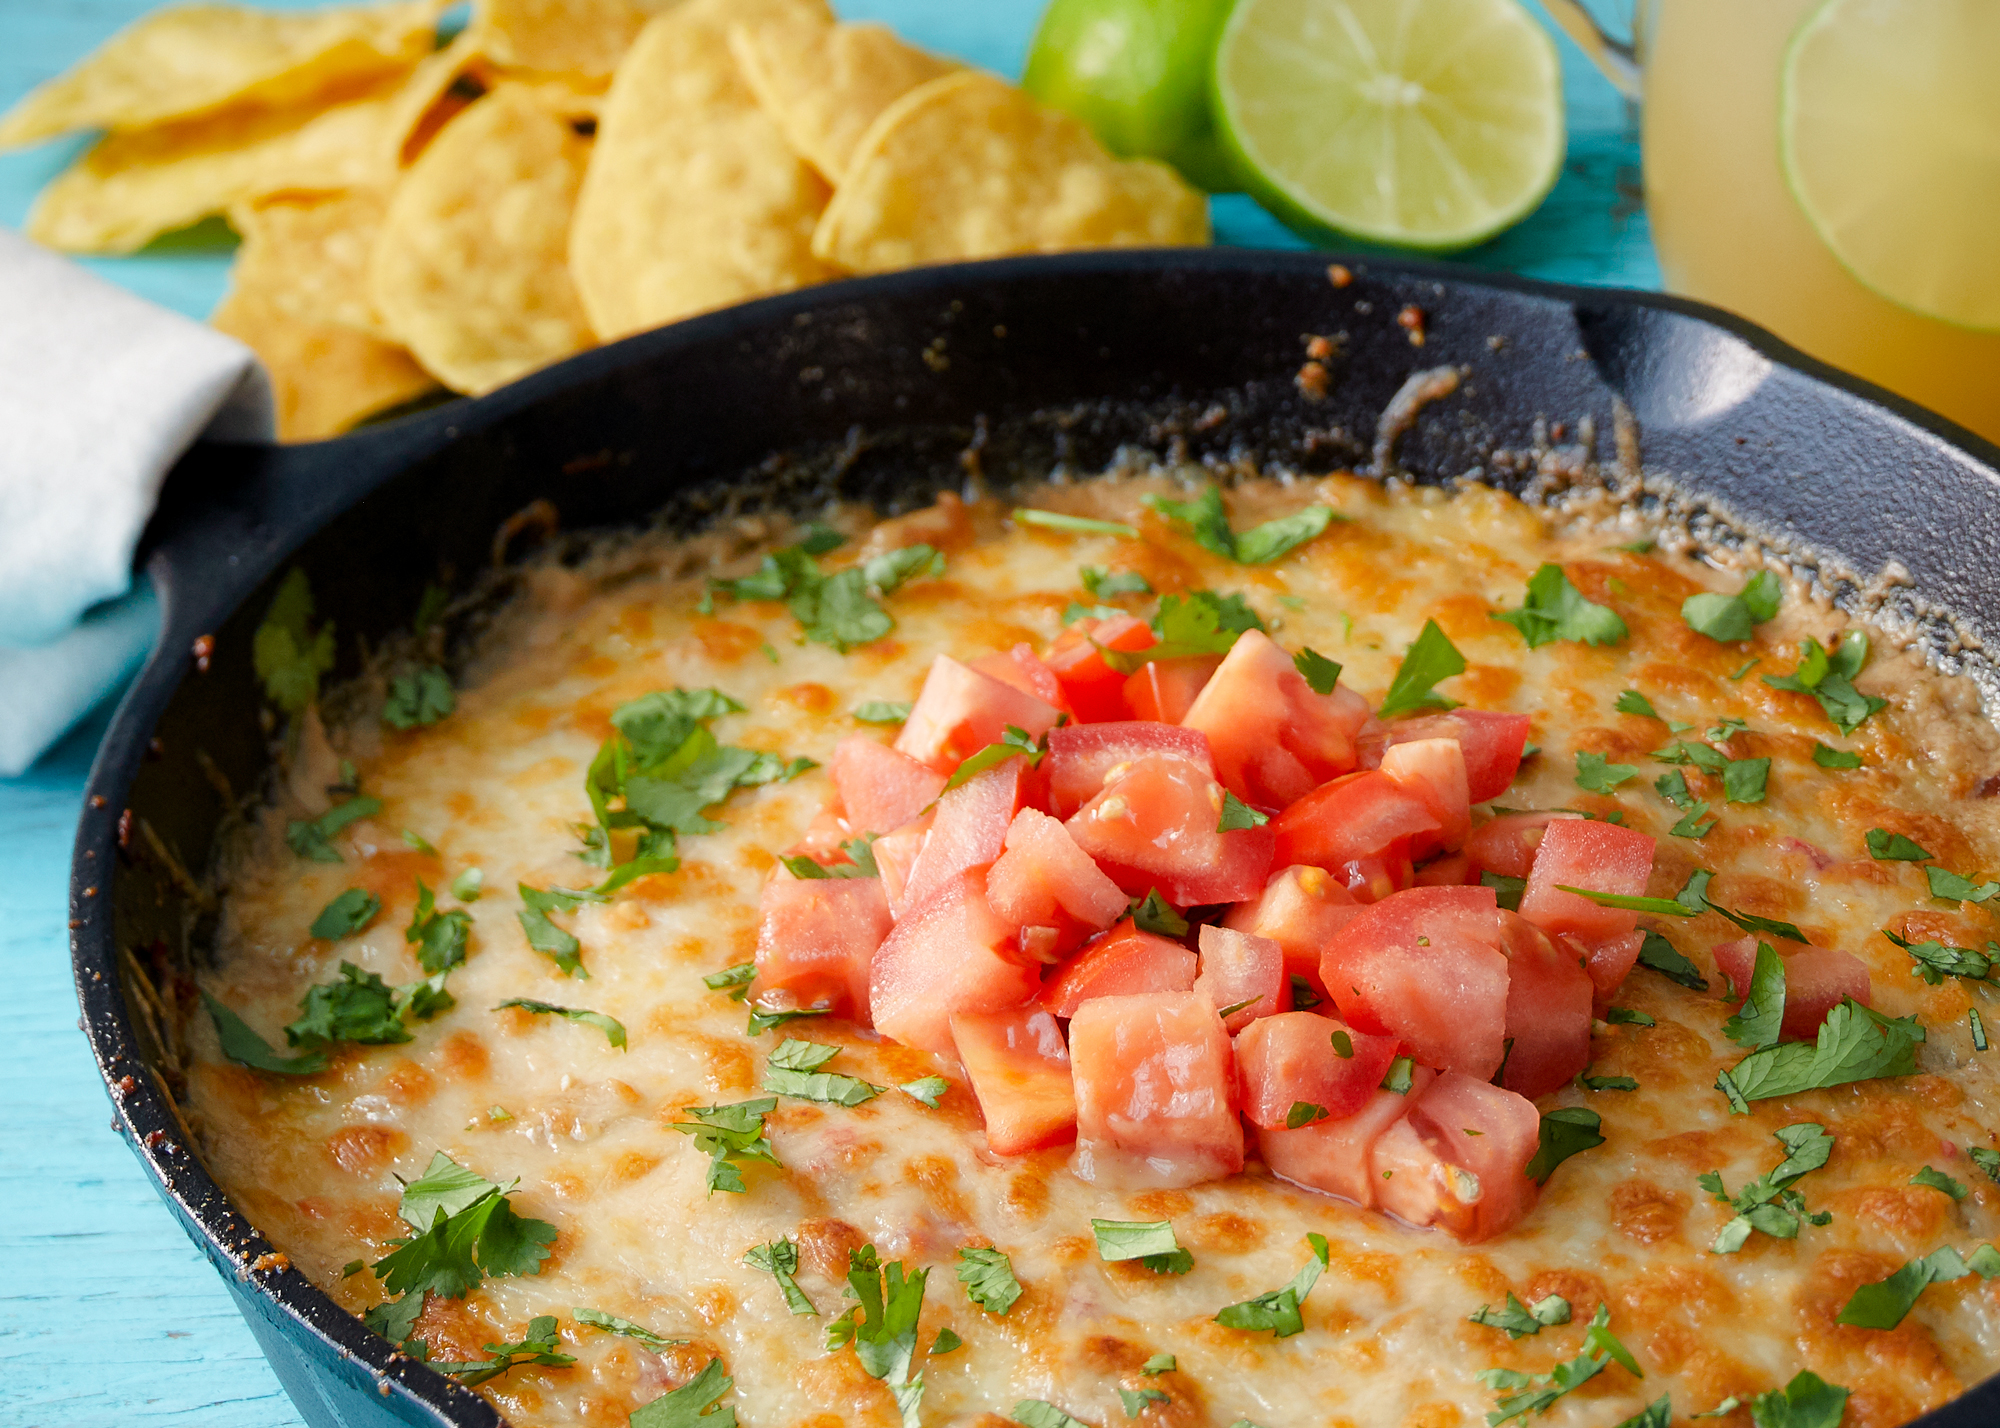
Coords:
pixel 1889 129
pixel 1427 124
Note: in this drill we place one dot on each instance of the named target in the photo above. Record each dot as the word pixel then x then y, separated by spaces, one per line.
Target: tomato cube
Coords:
pixel 1155 1091
pixel 896 853
pixel 1274 739
pixel 1023 668
pixel 1817 979
pixel 1548 1009
pixel 881 789
pixel 1295 1057
pixel 1158 825
pixel 947 954
pixel 960 711
pixel 1095 690
pixel 1425 965
pixel 1508 844
pixel 1333 1155
pixel 1586 853
pixel 1081 756
pixel 1354 819
pixel 816 941
pixel 971 827
pixel 1124 962
pixel 1165 689
pixel 1300 909
pixel 1433 770
pixel 1607 963
pixel 1044 880
pixel 1449 871
pixel 1018 1067
pixel 1492 743
pixel 1459 1159
pixel 1237 968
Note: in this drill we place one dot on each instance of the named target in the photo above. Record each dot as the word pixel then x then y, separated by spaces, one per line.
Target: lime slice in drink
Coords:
pixel 1889 130
pixel 1427 124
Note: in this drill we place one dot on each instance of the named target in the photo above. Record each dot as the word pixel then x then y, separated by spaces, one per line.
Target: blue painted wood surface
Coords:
pixel 108 1315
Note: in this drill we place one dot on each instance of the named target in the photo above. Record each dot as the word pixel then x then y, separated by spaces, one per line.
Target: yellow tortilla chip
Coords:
pixel 693 199
pixel 428 98
pixel 971 167
pixel 580 37
pixel 471 270
pixel 192 59
pixel 825 84
pixel 308 252
pixel 325 378
pixel 132 187
pixel 567 96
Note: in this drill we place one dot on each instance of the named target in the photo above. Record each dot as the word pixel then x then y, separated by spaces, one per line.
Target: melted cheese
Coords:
pixel 584 1127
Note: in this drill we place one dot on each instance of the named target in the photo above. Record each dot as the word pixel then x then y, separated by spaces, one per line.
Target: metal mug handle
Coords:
pixel 1617 59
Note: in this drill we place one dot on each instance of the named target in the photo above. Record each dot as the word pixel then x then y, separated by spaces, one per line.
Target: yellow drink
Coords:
pixel 1729 232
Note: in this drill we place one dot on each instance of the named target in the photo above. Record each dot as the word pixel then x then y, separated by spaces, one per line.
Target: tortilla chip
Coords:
pixel 971 167
pixel 193 59
pixel 440 87
pixel 132 187
pixel 471 269
pixel 573 97
pixel 586 38
pixel 309 253
pixel 825 84
pixel 694 199
pixel 325 378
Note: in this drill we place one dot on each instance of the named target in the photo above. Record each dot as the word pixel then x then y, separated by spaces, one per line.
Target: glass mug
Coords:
pixel 1725 224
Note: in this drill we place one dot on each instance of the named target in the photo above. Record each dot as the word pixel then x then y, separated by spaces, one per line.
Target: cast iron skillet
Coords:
pixel 884 389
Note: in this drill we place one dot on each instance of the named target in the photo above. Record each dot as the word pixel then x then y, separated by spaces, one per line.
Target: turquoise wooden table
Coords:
pixel 109 1316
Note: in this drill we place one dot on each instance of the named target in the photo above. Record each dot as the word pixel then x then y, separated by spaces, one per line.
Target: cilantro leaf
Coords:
pixel 1768 1203
pixel 1565 1131
pixel 544 936
pixel 439 937
pixel 730 1134
pixel 614 1031
pixel 1607 1083
pixel 988 1277
pixel 1935 962
pixel 1198 623
pixel 1104 585
pixel 537 1346
pixel 613 1324
pixel 1153 913
pixel 1400 1076
pixel 288 654
pixel 1278 1310
pixel 1430 658
pixel 1035 1413
pixel 1507 889
pixel 1828 758
pixel 739 975
pixel 1517 1321
pixel 1978 1040
pixel 1137 1399
pixel 928 1089
pixel 1744 779
pixel 246 1048
pixel 1260 545
pixel 1986 1160
pixel 1692 825
pixel 1883 1304
pixel 1158 1364
pixel 1014 743
pixel 395 1320
pixel 1854 1044
pixel 360 1007
pixel 1885 847
pixel 1319 672
pixel 1074 525
pixel 780 1260
pixel 467 886
pixel 1236 815
pixel 1938 1180
pixel 466 1231
pixel 823 1086
pixel 1626 1016
pixel 1948 886
pixel 885 1337
pixel 1304 1113
pixel 1756 1023
pixel 1598 774
pixel 1657 1414
pixel 1554 609
pixel 419 698
pixel 838 610
pixel 1203 518
pixel 1633 702
pixel 1728 618
pixel 1808 1401
pixel 1828 677
pixel 763 1019
pixel 1151 1242
pixel 882 711
pixel 313 840
pixel 346 915
pixel 692 1405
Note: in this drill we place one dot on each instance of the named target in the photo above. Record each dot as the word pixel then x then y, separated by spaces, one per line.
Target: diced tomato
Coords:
pixel 1157 825
pixel 1450 871
pixel 881 789
pixel 1354 819
pixel 1018 1065
pixel 1372 879
pixel 1096 691
pixel 971 827
pixel 824 835
pixel 896 853
pixel 1425 965
pixel 1155 1091
pixel 1492 743
pixel 1292 1057
pixel 947 954
pixel 1458 1160
pixel 1165 689
pixel 1507 844
pixel 1023 668
pixel 1122 963
pixel 816 940
pixel 1333 1155
pixel 1606 963
pixel 1586 853
pixel 1300 909
pixel 1274 739
pixel 960 711
pixel 1433 770
pixel 1237 968
pixel 1548 1010
pixel 1081 755
pixel 1044 880
pixel 1817 979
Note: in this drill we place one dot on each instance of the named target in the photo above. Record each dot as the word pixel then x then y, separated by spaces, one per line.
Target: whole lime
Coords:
pixel 1136 72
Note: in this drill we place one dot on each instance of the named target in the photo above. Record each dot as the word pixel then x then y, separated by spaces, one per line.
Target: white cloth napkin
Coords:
pixel 100 393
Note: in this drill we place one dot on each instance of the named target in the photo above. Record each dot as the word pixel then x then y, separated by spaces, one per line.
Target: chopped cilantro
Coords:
pixel 1035 1413
pixel 613 1031
pixel 780 1260
pixel 1625 1016
pixel 739 975
pixel 838 610
pixel 1565 1131
pixel 793 1071
pixel 1104 585
pixel 1208 523
pixel 1517 1321
pixel 346 915
pixel 288 654
pixel 1014 743
pixel 420 843
pixel 1657 1414
pixel 246 1048
pixel 313 840
pixel 1343 1045
pixel 692 1405
pixel 1828 675
pixel 728 1135
pixel 419 698
pixel 1137 1399
pixel 988 1277
pixel 467 886
pixel 1743 781
pixel 1935 961
pixel 1769 1204
pixel 1692 825
pixel 1198 623
pixel 762 1019
pixel 537 1346
pixel 882 711
pixel 885 1336
pixel 1320 673
pixel 945 1342
pixel 1158 1364
pixel 466 1231
pixel 1304 998
pixel 1854 1044
pixel 544 936
pixel 1828 758
pixel 1073 525
pixel 1757 1022
pixel 1632 701
pixel 1978 1036
pixel 1948 886
pixel 928 1089
pixel 1599 775
pixel 1887 847
pixel 1430 658
pixel 1938 1180
pixel 1556 610
pixel 1659 954
pixel 439 937
pixel 1153 913
pixel 1523 1393
pixel 1808 1401
pixel 1728 618
pixel 1400 1076
pixel 1234 1007
pixel 1986 1160
pixel 1237 815
pixel 1076 610
pixel 1304 1113
pixel 360 1007
pixel 1606 1083
pixel 1507 889
pixel 1883 1304
pixel 1278 1310
pixel 612 1324
pixel 1151 1242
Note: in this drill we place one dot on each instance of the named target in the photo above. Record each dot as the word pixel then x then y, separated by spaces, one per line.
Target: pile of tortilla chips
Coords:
pixel 417 214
